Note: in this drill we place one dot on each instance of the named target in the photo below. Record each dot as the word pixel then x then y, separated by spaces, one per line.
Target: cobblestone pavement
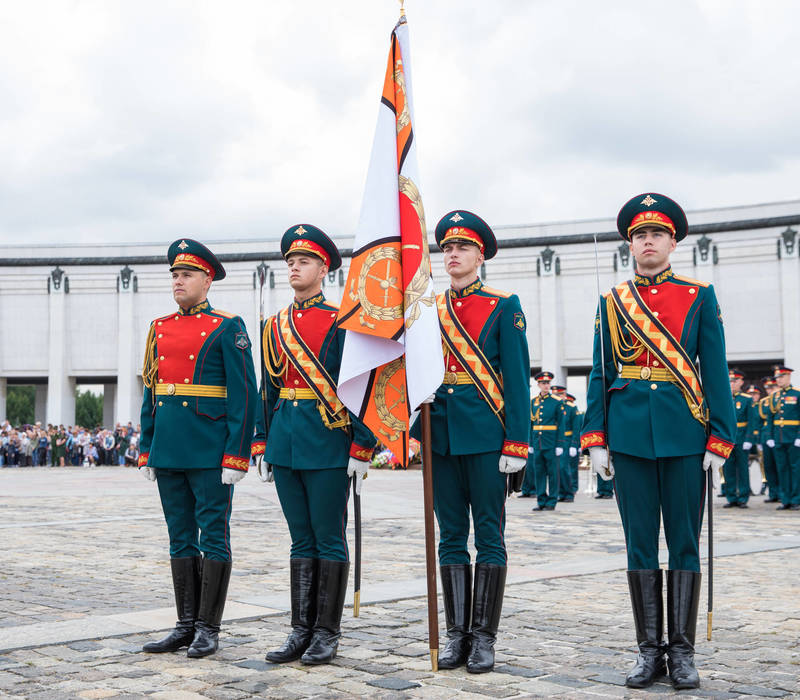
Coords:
pixel 84 581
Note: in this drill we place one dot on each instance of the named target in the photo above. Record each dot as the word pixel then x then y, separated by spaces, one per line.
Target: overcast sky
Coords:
pixel 145 121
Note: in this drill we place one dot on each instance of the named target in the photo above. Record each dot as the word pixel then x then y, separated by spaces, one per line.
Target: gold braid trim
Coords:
pixel 274 360
pixel 150 362
pixel 775 405
pixel 623 350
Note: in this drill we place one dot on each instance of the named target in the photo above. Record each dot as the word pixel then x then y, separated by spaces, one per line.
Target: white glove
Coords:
pixel 264 470
pixel 510 465
pixel 573 451
pixel 770 443
pixel 559 451
pixel 747 446
pixel 149 473
pixel 430 398
pixel 602 462
pixel 232 476
pixel 357 468
pixel 713 462
pixel 797 442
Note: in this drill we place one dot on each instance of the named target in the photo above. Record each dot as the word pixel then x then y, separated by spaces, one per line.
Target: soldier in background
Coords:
pixel 767 441
pixel 197 422
pixel 574 443
pixel 736 467
pixel 785 406
pixel 565 492
pixel 547 441
pixel 312 447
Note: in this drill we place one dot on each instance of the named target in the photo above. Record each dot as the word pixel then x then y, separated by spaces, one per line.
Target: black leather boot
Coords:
pixel 490 583
pixel 683 596
pixel 646 589
pixel 303 582
pixel 331 589
pixel 213 590
pixel 186 582
pixel 457 595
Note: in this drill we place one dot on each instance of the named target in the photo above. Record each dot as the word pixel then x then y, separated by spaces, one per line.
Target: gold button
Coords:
pixel 185 381
pixel 294 403
pixel 655 363
pixel 199 316
pixel 203 333
pixel 160 335
pixel 161 358
pixel 292 394
pixel 492 302
pixel 654 291
pixel 160 381
pixel 692 290
pixel 296 381
pixel 450 378
pixel 170 389
pixel 299 314
pixel 185 403
pixel 453 367
pixel 160 403
pixel 655 313
pixel 654 386
pixel 160 323
pixel 191 357
pixel 177 318
pixel 214 320
pixel 458 303
pixel 333 315
pixel 450 390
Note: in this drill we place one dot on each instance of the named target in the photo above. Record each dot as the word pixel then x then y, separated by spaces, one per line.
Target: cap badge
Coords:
pixel 456 217
pixel 183 245
pixel 300 231
pixel 648 201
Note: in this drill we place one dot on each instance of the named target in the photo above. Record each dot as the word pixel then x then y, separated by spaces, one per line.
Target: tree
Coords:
pixel 20 402
pixel 88 409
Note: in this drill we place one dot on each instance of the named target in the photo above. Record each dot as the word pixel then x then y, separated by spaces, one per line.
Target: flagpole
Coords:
pixel 430 541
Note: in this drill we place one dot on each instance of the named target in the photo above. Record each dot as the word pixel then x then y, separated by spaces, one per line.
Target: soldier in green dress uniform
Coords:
pixel 197 422
pixel 479 435
pixel 765 437
pixel 547 441
pixel 663 428
pixel 574 443
pixel 785 407
pixel 312 446
pixel 565 492
pixel 737 468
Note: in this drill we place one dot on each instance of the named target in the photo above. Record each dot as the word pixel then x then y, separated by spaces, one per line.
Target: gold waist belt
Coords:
pixel 219 392
pixel 781 421
pixel 650 374
pixel 741 425
pixel 567 433
pixel 456 378
pixel 287 393
pixel 545 427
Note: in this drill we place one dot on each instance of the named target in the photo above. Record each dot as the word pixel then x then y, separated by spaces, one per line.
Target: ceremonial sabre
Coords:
pixel 357 573
pixel 262 278
pixel 602 351
pixel 430 553
pixel 709 498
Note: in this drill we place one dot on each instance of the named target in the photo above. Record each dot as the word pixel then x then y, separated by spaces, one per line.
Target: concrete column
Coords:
pixel 60 386
pixel 789 266
pixel 549 319
pixel 109 403
pixel 129 349
pixel 3 394
pixel 40 404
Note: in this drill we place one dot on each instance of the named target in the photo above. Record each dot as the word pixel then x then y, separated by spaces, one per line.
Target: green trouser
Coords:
pixel 737 476
pixel 787 457
pixel 314 503
pixel 647 490
pixel 529 481
pixel 548 468
pixel 564 475
pixel 464 483
pixel 771 472
pixel 197 508
pixel 573 471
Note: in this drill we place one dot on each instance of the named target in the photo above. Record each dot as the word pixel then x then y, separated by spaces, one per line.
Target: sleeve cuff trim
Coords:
pixel 360 452
pixel 233 462
pixel 515 449
pixel 143 459
pixel 258 448
pixel 596 438
pixel 719 447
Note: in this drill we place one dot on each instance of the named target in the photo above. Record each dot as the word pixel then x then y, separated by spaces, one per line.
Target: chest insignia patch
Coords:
pixel 519 320
pixel 241 341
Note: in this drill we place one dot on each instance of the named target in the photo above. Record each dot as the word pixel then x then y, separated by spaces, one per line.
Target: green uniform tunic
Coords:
pixel 547 433
pixel 308 457
pixel 736 467
pixel 656 444
pixel 785 405
pixel 468 438
pixel 765 434
pixel 197 417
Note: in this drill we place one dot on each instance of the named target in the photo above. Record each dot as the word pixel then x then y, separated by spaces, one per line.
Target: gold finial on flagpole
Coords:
pixel 402 9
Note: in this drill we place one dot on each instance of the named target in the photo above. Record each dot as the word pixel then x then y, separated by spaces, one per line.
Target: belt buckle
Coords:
pixel 645 373
pixel 170 389
pixel 450 378
pixel 292 394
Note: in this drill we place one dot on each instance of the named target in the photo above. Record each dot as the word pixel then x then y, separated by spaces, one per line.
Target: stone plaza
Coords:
pixel 85 581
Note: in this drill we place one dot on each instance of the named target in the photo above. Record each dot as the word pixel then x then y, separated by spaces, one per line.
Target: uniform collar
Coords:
pixel 544 396
pixel 308 303
pixel 645 281
pixel 469 289
pixel 196 309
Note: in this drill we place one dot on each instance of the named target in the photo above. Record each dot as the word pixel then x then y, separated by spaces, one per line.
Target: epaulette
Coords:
pixel 496 292
pixel 330 305
pixel 691 281
pixel 226 314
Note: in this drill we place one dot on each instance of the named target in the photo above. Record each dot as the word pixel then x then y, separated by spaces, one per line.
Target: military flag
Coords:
pixel 392 356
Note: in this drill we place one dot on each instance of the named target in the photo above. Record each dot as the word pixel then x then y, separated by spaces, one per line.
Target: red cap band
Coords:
pixel 188 260
pixel 459 233
pixel 651 218
pixel 303 245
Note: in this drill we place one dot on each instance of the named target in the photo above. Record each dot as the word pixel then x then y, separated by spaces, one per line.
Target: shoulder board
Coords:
pixel 225 314
pixel 496 292
pixel 691 281
pixel 330 306
pixel 163 318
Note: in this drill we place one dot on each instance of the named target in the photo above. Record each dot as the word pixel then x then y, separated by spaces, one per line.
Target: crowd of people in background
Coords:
pixel 59 446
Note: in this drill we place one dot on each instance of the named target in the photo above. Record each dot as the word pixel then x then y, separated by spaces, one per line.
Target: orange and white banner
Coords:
pixel 392 356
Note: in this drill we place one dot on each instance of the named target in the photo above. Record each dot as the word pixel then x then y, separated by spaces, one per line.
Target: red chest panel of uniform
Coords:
pixel 472 311
pixel 671 304
pixel 179 340
pixel 313 325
